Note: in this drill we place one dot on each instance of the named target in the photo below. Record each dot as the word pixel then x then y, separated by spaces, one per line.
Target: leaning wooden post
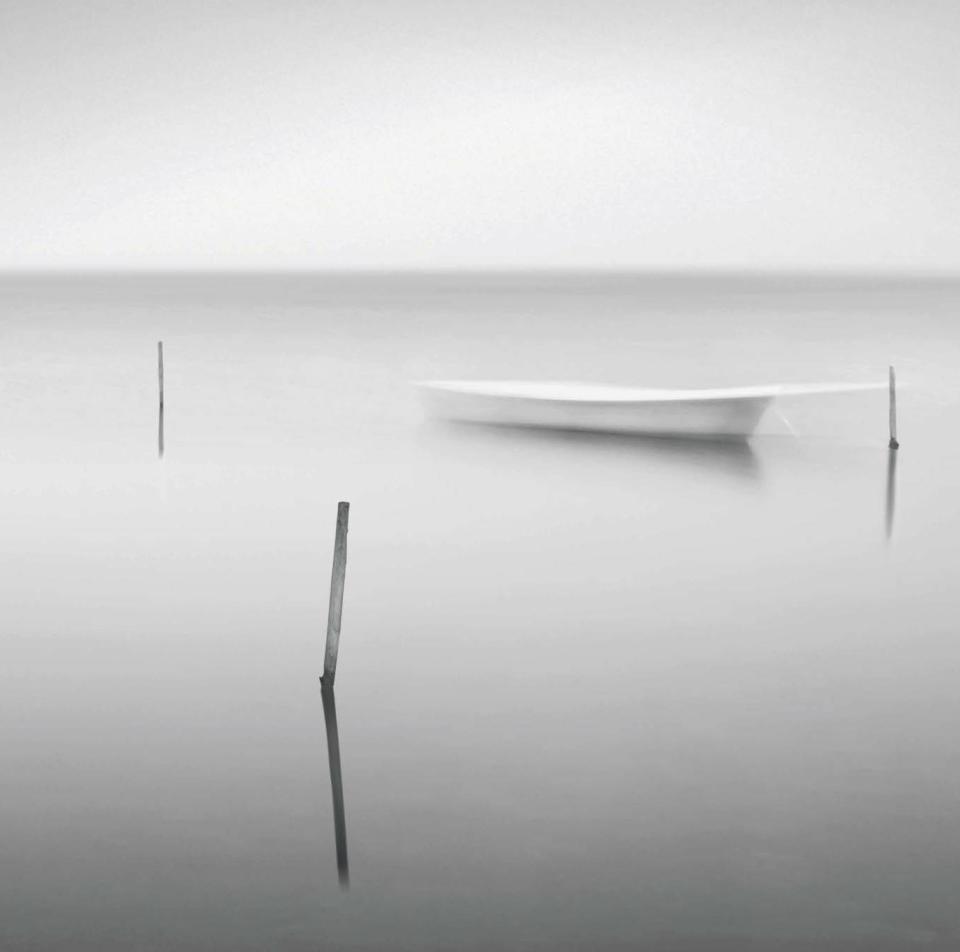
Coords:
pixel 336 593
pixel 893 444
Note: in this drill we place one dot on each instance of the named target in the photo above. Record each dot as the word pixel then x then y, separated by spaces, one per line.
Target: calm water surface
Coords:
pixel 594 693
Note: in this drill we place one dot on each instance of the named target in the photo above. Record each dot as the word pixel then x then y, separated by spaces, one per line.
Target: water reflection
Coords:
pixel 735 457
pixel 336 781
pixel 891 489
pixel 160 433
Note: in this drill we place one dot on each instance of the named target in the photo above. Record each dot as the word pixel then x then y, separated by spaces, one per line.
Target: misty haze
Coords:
pixel 628 332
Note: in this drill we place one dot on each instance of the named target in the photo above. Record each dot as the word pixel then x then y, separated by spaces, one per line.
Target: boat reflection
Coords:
pixel 336 782
pixel 734 457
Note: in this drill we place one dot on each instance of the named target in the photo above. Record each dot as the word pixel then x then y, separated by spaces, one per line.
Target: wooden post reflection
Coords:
pixel 891 489
pixel 336 781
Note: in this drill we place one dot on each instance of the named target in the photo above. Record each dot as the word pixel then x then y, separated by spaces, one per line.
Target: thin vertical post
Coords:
pixel 336 593
pixel 160 383
pixel 893 444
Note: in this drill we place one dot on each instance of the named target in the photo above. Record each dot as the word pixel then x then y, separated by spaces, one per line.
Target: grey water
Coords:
pixel 593 692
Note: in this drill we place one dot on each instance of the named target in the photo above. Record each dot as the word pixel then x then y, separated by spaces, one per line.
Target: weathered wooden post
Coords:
pixel 336 594
pixel 160 381
pixel 893 444
pixel 336 781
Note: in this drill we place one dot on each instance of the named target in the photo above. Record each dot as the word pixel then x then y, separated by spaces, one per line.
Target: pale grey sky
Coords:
pixel 445 134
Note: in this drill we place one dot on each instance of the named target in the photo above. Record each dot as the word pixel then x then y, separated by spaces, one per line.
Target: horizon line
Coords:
pixel 930 274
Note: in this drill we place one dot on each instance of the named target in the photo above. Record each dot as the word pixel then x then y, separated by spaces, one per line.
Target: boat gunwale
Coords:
pixel 600 394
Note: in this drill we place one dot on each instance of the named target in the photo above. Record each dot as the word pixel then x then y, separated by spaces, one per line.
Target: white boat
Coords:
pixel 725 413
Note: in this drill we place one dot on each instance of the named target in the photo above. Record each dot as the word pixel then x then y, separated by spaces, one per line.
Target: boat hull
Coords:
pixel 707 415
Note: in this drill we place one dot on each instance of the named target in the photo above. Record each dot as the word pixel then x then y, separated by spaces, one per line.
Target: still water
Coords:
pixel 593 692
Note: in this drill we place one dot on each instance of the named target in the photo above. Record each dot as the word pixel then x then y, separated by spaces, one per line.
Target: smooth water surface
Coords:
pixel 593 693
